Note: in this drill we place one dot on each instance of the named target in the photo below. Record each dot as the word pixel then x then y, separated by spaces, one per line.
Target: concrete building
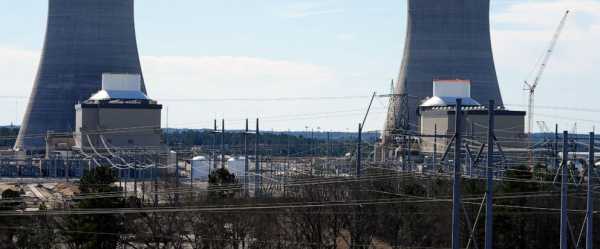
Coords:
pixel 445 39
pixel 59 144
pixel 84 38
pixel 437 116
pixel 118 116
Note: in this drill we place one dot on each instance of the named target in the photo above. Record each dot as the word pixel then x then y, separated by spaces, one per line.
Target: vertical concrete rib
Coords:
pixel 84 39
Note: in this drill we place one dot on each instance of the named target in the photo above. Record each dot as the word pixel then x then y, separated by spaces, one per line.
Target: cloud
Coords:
pixel 545 14
pixel 232 76
pixel 182 84
pixel 18 68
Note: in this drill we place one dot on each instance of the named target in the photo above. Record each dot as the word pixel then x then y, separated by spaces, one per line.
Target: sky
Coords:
pixel 313 65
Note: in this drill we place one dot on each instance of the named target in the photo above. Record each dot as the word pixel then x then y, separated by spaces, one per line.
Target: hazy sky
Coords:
pixel 247 52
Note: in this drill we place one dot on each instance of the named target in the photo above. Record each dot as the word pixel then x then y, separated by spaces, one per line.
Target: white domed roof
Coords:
pixel 448 101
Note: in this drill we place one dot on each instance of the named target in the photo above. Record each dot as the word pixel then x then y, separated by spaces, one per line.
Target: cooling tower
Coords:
pixel 84 38
pixel 445 39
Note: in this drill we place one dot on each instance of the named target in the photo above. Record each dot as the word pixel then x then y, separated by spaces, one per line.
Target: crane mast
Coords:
pixel 531 87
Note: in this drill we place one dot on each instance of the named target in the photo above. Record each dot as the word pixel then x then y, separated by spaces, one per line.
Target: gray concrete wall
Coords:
pixel 84 38
pixel 509 129
pixel 121 127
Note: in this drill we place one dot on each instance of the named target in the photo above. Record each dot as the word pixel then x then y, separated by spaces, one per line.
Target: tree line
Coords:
pixel 398 210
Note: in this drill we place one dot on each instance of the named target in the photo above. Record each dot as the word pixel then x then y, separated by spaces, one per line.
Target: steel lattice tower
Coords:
pixel 445 39
pixel 84 38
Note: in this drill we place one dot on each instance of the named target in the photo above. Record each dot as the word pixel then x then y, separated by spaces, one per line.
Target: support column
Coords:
pixel 359 151
pixel 489 210
pixel 564 219
pixel 590 198
pixel 155 176
pixel 434 157
pixel 222 143
pixel 456 187
pixel 556 162
pixel 214 154
pixel 246 166
pixel 176 178
pixel 257 177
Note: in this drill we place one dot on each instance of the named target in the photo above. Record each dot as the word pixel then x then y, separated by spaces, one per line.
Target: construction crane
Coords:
pixel 543 127
pixel 531 87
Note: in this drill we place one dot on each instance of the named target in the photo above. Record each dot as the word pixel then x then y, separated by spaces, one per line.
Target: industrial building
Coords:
pixel 437 119
pixel 84 39
pixel 120 115
pixel 447 39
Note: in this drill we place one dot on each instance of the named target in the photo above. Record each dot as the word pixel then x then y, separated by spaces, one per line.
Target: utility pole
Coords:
pixel 456 186
pixel 258 175
pixel 489 209
pixel 68 168
pixel 312 142
pixel 556 163
pixel 120 172
pixel 359 151
pixel 468 145
pixel 167 130
pixel 192 175
pixel 287 165
pixel 154 174
pixel 434 157
pixel 564 219
pixel 246 160
pixel 590 199
pixel 215 145
pixel 142 172
pixel 177 178
pixel 55 164
pixel 328 145
pixel 408 150
pixel 328 152
pixel 360 128
pixel 126 180
pixel 222 143
pixel 135 175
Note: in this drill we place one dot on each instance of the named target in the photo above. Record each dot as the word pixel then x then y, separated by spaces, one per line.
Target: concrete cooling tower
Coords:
pixel 445 40
pixel 84 39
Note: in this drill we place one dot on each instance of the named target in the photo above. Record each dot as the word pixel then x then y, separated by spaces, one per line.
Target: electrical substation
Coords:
pixel 446 124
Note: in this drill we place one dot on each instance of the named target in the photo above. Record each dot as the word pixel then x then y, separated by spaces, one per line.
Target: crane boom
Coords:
pixel 531 87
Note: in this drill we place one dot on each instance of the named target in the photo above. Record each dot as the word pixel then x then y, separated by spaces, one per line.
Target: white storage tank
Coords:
pixel 171 162
pixel 200 168
pixel 236 166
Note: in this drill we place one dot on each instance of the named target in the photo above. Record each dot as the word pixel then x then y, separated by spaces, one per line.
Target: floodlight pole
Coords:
pixel 456 187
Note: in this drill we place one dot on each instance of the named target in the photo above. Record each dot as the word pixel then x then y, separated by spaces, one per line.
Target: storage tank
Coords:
pixel 200 168
pixel 236 166
pixel 171 162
